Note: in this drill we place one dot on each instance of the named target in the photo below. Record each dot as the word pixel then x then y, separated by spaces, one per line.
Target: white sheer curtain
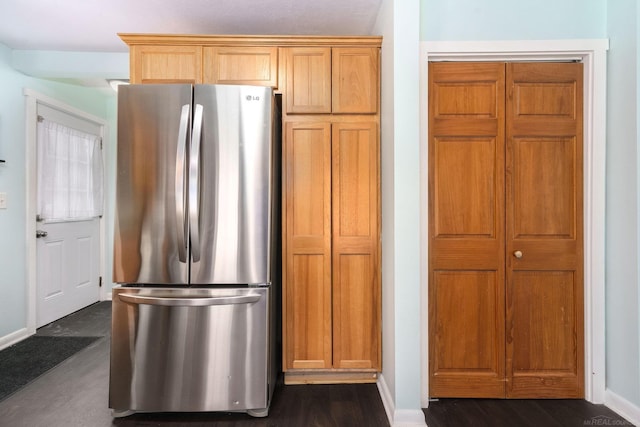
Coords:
pixel 70 182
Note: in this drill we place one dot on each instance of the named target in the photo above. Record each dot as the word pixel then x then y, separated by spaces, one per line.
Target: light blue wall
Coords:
pixel 384 26
pixel 512 19
pixel 622 332
pixel 13 266
pixel 69 65
pixel 406 122
pixel 398 23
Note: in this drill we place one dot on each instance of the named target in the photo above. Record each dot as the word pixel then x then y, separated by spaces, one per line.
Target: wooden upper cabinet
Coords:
pixel 247 65
pixel 166 64
pixel 354 80
pixel 308 75
pixel 331 80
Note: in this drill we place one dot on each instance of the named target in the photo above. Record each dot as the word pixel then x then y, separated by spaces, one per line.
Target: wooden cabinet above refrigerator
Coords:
pixel 254 60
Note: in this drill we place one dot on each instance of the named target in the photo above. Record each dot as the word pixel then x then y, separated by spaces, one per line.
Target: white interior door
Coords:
pixel 68 247
pixel 68 268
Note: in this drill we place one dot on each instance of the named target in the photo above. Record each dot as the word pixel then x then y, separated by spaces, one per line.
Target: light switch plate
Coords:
pixel 3 200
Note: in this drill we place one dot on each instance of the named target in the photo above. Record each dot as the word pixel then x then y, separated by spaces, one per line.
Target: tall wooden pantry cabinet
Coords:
pixel 330 87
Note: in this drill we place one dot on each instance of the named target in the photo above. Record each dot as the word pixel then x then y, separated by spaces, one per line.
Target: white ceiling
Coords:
pixel 92 25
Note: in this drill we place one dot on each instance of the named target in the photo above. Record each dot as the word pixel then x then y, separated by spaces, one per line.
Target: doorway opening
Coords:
pixel 64 255
pixel 505 230
pixel 592 53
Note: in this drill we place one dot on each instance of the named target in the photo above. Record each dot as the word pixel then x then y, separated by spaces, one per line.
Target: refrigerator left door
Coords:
pixel 151 232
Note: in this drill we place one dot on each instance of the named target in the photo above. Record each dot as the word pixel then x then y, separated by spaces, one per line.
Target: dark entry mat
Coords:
pixel 27 360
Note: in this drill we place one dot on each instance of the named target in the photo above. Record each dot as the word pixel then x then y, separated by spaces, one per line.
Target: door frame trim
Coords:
pixel 592 53
pixel 32 99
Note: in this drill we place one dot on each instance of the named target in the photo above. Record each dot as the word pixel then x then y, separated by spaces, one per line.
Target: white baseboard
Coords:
pixel 398 417
pixel 622 406
pixel 14 337
pixel 387 399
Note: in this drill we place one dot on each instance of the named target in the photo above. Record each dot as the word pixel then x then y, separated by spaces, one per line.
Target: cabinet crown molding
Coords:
pixel 249 40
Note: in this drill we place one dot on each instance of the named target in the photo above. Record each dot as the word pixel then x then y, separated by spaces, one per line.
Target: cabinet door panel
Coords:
pixel 311 345
pixel 245 65
pixel 308 72
pixel 166 64
pixel 356 317
pixel 356 281
pixel 307 180
pixel 354 81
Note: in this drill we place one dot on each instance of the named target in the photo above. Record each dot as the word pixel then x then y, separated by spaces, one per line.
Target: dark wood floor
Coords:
pixel 519 413
pixel 75 393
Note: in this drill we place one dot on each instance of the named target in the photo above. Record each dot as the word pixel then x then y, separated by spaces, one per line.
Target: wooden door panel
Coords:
pixel 468 343
pixel 466 229
pixel 543 312
pixel 307 247
pixel 543 189
pixel 543 335
pixel 465 98
pixel 540 99
pixel 545 354
pixel 465 187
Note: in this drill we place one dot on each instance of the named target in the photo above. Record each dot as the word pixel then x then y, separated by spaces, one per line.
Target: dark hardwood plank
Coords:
pixel 293 405
pixel 519 413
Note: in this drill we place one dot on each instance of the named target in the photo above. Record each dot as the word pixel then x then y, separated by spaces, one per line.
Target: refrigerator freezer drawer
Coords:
pixel 189 349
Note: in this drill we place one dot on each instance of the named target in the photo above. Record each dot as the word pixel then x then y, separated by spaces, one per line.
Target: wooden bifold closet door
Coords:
pixel 506 230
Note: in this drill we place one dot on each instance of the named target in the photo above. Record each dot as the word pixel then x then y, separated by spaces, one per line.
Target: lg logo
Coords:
pixel 253 98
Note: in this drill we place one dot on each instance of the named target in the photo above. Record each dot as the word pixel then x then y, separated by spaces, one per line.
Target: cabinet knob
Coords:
pixel 517 254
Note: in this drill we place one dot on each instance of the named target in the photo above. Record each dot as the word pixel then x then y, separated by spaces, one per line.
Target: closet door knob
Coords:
pixel 517 254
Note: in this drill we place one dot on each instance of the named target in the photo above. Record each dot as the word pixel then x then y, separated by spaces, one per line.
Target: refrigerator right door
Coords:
pixel 151 234
pixel 231 174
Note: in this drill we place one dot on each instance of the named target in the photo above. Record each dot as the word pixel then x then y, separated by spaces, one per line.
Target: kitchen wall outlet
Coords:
pixel 3 200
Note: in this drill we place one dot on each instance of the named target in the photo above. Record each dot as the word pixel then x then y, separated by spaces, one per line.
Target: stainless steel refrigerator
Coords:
pixel 196 249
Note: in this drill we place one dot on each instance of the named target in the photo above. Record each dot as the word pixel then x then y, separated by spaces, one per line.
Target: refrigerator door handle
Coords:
pixel 180 190
pixel 194 184
pixel 189 302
